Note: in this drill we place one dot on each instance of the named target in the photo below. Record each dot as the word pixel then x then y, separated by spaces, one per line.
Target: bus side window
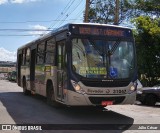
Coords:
pixel 50 52
pixel 28 56
pixel 40 53
pixel 24 57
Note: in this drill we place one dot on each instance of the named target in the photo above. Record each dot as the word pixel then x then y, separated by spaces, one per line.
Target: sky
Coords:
pixel 20 21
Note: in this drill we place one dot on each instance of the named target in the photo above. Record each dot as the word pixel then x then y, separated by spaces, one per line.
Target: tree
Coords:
pixel 147 8
pixel 147 36
pixel 103 11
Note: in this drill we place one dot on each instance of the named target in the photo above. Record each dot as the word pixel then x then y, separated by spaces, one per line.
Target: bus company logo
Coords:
pixel 6 127
pixel 107 91
pixel 99 91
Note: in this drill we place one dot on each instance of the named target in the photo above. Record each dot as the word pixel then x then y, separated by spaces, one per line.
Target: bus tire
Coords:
pixel 25 91
pixel 50 95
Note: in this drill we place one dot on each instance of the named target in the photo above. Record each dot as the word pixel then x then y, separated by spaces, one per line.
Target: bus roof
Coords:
pixel 98 24
pixel 65 27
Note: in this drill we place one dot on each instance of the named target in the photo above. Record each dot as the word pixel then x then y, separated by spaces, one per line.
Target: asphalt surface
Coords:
pixel 16 108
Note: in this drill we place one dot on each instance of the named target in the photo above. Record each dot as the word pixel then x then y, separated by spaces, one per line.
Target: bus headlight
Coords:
pixel 77 87
pixel 133 88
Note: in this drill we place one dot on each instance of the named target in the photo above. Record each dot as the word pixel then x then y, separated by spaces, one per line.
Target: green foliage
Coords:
pixel 103 11
pixel 148 48
pixel 147 7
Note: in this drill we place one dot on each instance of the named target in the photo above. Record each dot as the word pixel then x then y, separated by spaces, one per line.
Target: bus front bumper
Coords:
pixel 77 99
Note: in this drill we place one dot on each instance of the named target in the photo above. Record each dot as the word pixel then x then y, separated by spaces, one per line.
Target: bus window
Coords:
pixel 24 57
pixel 28 57
pixel 122 59
pixel 40 53
pixel 50 52
pixel 89 58
pixel 78 56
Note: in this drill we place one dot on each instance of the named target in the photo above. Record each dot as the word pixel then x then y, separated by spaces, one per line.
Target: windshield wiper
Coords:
pixel 94 46
pixel 115 46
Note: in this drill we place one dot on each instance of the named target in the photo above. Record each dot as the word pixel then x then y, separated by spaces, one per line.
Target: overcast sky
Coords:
pixel 19 16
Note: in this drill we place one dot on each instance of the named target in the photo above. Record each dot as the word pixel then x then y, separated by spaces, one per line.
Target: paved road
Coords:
pixel 15 108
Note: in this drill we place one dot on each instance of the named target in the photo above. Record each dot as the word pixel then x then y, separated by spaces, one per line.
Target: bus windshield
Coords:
pixel 103 58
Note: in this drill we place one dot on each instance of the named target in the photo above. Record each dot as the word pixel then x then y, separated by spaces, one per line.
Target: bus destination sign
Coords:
pixel 103 31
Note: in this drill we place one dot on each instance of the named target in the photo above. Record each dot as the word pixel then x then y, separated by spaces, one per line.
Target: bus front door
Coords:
pixel 60 70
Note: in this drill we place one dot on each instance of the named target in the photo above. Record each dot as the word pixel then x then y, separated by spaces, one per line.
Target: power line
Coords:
pixel 76 6
pixel 35 21
pixel 24 30
pixel 21 35
pixel 80 12
pixel 66 12
pixel 31 32
pixel 68 6
pixel 28 21
pixel 62 13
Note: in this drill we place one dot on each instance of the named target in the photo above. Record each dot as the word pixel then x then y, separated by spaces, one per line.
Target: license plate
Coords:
pixel 105 103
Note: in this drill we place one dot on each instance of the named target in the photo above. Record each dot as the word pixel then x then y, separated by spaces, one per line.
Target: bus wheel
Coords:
pixel 50 96
pixel 25 91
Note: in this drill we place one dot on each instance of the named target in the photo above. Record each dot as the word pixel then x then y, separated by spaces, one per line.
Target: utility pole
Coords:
pixel 86 11
pixel 116 20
